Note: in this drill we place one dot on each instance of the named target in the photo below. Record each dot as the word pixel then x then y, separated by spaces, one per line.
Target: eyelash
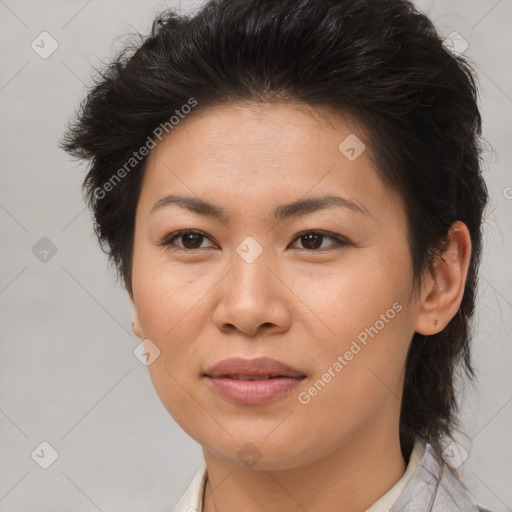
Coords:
pixel 168 242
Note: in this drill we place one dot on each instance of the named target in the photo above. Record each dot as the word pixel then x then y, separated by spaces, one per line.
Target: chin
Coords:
pixel 261 452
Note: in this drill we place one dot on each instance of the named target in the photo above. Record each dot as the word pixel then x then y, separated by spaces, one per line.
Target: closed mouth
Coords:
pixel 261 368
pixel 256 377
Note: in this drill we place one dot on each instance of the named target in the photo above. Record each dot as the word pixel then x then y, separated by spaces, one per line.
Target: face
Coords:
pixel 324 288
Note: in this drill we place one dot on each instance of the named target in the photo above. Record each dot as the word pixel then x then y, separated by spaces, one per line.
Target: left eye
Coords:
pixel 315 238
pixel 191 240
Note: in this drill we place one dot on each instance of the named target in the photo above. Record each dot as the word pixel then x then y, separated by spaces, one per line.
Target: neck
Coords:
pixel 350 478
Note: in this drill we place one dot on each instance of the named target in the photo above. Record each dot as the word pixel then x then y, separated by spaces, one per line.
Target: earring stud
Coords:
pixel 436 324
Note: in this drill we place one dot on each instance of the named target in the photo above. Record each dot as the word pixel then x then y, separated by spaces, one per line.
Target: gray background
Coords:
pixel 67 372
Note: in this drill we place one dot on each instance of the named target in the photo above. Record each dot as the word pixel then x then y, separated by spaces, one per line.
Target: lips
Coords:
pixel 253 377
pixel 252 369
pixel 252 382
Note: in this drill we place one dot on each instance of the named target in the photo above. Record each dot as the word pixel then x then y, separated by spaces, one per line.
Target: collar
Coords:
pixel 386 502
pixel 428 485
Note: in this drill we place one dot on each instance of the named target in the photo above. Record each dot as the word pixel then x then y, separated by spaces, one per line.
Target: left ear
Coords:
pixel 442 293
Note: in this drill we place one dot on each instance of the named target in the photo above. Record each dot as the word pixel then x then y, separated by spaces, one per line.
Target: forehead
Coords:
pixel 248 155
pixel 278 129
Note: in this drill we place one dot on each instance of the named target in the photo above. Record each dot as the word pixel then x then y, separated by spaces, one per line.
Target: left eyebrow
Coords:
pixel 304 206
pixel 293 209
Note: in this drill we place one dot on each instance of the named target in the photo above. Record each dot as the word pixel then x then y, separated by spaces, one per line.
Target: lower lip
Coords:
pixel 253 392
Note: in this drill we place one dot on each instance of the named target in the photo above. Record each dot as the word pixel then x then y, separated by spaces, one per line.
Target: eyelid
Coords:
pixel 167 242
pixel 339 240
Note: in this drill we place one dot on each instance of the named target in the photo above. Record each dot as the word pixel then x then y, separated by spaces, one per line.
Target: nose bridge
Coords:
pixel 251 272
pixel 252 296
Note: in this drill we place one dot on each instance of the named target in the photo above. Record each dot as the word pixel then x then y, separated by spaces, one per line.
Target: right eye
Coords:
pixel 190 240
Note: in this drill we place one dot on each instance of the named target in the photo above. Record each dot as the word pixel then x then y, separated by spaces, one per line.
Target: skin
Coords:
pixel 295 303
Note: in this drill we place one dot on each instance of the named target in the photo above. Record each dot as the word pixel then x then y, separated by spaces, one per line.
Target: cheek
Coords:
pixel 345 299
pixel 167 307
pixel 174 307
pixel 357 382
pixel 361 339
pixel 166 296
pixel 169 317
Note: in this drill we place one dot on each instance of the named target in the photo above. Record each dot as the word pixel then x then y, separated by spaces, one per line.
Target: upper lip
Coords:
pixel 262 366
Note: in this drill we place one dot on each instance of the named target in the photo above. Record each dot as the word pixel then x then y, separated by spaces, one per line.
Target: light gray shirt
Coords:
pixel 429 484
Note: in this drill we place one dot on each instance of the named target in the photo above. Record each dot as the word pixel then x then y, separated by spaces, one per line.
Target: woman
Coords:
pixel 291 192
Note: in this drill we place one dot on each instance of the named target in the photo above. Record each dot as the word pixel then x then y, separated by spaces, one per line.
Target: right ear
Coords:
pixel 135 322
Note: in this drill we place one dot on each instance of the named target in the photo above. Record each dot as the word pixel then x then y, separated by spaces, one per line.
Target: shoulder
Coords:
pixel 435 486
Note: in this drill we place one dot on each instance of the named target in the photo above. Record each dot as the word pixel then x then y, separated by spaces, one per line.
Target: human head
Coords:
pixel 378 63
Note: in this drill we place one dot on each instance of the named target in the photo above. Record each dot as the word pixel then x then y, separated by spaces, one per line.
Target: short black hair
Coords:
pixel 381 62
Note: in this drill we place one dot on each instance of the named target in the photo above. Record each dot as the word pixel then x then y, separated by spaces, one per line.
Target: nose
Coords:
pixel 252 299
